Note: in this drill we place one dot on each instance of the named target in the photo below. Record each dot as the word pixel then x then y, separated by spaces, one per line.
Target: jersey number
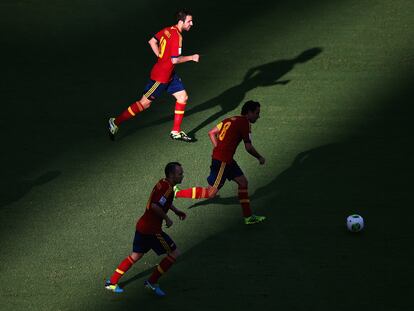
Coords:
pixel 224 130
pixel 163 43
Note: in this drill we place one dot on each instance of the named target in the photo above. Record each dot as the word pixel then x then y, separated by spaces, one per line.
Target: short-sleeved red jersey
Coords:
pixel 170 43
pixel 162 194
pixel 232 131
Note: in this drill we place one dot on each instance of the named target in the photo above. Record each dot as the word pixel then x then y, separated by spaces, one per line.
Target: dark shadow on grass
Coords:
pixel 302 161
pixel 13 190
pixel 136 277
pixel 261 76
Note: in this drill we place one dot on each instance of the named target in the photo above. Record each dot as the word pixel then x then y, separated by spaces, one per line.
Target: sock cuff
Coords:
pixel 119 271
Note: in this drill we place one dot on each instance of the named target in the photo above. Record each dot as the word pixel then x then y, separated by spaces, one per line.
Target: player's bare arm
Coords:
pixel 181 215
pixel 250 149
pixel 213 135
pixel 184 59
pixel 154 46
pixel 158 210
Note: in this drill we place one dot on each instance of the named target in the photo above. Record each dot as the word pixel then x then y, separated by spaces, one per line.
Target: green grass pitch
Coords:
pixel 335 82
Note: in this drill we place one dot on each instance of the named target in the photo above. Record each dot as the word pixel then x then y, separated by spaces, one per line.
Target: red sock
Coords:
pixel 122 268
pixel 245 202
pixel 193 193
pixel 178 116
pixel 129 113
pixel 163 267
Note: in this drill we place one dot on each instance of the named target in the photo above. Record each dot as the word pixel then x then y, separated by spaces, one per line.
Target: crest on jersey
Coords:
pixel 162 201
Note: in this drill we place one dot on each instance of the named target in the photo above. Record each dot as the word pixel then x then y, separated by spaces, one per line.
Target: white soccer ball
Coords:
pixel 355 223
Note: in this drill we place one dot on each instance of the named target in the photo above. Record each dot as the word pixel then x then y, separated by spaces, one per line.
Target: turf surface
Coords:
pixel 336 129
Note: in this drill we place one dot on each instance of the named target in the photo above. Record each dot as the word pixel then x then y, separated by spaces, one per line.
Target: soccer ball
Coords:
pixel 355 223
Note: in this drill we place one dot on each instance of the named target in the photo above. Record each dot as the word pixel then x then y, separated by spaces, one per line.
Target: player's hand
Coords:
pixel 196 58
pixel 168 222
pixel 181 215
pixel 262 160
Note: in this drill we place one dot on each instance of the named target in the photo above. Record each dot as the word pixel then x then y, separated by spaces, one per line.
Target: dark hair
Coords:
pixel 249 106
pixel 182 14
pixel 170 168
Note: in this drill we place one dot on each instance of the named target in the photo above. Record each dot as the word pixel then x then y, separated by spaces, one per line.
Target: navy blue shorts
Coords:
pixel 154 89
pixel 220 171
pixel 161 243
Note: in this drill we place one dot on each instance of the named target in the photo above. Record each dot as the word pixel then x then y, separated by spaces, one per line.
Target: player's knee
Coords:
pixel 135 256
pixel 183 98
pixel 146 104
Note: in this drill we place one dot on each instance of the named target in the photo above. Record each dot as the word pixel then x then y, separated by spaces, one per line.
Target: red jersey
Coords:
pixel 170 41
pixel 162 194
pixel 232 131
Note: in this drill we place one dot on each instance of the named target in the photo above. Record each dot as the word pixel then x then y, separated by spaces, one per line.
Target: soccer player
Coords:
pixel 149 234
pixel 225 138
pixel 166 45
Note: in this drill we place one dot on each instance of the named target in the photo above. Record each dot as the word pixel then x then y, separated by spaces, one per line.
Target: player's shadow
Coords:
pixel 316 164
pixel 339 174
pixel 261 76
pixel 13 190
